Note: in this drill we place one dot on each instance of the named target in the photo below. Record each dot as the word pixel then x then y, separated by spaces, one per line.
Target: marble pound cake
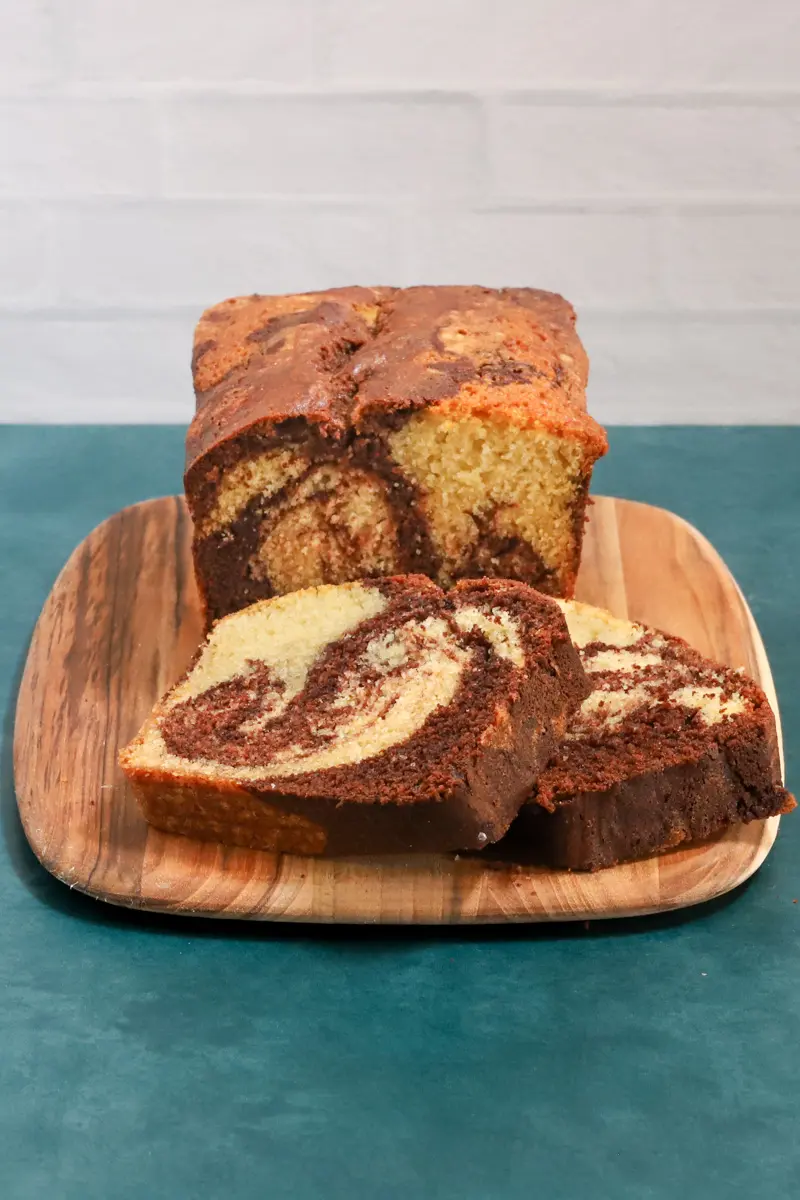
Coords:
pixel 668 748
pixel 375 717
pixel 366 432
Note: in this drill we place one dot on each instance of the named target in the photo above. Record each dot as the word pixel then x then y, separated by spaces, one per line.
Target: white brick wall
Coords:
pixel 343 145
pixel 138 255
pixel 197 41
pixel 641 156
pixel 562 44
pixel 650 150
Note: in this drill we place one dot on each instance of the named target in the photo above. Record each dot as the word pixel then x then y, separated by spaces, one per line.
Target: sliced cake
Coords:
pixel 369 717
pixel 668 748
pixel 365 432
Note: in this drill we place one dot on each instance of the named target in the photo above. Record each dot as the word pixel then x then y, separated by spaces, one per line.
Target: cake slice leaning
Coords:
pixel 668 748
pixel 369 717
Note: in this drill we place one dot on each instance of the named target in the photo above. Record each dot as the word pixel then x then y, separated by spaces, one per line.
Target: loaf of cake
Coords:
pixel 668 748
pixel 366 432
pixel 373 717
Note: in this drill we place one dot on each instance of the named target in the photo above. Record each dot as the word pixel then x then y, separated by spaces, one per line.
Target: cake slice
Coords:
pixel 365 432
pixel 668 748
pixel 362 718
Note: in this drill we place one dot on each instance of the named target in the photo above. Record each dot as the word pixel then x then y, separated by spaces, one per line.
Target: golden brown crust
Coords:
pixel 224 813
pixel 224 335
pixel 343 358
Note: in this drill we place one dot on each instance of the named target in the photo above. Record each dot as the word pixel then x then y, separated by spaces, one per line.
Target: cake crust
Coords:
pixel 336 358
pixel 385 393
pixel 310 764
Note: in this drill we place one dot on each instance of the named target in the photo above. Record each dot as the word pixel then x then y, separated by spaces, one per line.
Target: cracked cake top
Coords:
pixel 343 357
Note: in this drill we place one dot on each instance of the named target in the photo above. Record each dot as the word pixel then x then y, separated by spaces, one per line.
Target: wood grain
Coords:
pixel 121 624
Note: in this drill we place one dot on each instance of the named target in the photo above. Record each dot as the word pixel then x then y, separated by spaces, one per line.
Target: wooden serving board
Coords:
pixel 121 624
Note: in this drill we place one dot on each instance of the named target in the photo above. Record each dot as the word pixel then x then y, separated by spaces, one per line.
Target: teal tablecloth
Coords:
pixel 148 1057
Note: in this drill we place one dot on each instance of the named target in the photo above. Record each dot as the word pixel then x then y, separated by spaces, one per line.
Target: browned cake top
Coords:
pixel 340 357
pixel 656 703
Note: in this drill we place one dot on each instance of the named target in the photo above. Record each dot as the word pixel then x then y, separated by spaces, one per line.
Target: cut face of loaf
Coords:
pixel 362 718
pixel 668 748
pixel 366 432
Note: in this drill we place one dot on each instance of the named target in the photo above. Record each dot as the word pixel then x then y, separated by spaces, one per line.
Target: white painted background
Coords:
pixel 641 156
